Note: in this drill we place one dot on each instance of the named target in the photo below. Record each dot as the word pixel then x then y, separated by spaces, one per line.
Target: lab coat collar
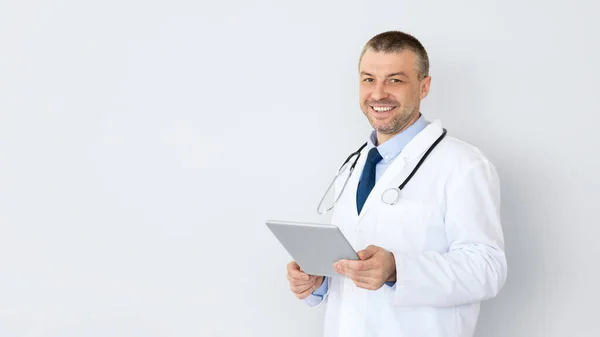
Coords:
pixel 422 141
pixel 416 147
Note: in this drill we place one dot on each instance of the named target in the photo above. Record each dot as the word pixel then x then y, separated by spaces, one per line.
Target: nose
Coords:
pixel 379 92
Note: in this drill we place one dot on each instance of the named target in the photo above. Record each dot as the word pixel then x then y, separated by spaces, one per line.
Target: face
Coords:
pixel 390 91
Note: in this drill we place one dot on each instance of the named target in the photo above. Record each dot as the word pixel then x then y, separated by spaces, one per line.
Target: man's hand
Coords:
pixel 376 266
pixel 301 283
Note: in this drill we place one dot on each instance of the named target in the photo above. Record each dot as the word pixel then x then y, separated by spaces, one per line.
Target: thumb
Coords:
pixel 367 252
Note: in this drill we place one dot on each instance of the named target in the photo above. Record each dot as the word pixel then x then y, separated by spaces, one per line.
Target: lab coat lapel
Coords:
pixel 352 187
pixel 402 165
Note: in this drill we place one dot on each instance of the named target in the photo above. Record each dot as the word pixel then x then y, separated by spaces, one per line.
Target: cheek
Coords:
pixel 364 93
pixel 364 96
pixel 399 94
pixel 412 93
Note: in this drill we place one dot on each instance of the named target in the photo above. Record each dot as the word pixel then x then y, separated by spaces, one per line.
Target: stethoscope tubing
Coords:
pixel 396 189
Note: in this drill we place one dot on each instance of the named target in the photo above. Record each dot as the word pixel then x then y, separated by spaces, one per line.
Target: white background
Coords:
pixel 144 143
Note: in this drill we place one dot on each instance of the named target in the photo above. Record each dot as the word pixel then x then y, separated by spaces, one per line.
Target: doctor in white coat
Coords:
pixel 429 260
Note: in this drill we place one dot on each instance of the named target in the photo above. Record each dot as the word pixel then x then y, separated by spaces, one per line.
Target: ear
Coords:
pixel 425 84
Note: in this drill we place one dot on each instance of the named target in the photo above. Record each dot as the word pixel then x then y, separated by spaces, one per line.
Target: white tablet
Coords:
pixel 315 247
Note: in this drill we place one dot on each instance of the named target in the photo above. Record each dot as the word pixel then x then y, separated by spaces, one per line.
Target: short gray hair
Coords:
pixel 396 41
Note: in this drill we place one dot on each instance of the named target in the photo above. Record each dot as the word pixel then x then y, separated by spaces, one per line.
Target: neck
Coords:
pixel 384 137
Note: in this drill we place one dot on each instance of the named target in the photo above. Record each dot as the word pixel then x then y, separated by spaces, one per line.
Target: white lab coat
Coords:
pixel 446 237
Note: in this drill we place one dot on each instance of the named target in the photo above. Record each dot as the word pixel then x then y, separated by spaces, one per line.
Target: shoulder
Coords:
pixel 461 157
pixel 465 150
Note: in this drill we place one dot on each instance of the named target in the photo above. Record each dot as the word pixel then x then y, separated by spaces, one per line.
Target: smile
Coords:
pixel 383 108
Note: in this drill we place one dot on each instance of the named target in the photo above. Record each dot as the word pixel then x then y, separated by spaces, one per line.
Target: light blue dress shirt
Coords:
pixel 389 151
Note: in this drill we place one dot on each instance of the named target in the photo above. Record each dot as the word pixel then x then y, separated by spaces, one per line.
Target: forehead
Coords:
pixel 382 63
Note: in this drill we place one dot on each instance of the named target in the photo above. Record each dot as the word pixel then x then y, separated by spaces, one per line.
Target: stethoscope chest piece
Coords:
pixel 391 196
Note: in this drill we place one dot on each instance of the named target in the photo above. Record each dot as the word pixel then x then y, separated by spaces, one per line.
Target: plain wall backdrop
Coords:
pixel 144 143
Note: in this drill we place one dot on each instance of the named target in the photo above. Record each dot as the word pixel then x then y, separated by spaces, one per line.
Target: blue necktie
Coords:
pixel 367 180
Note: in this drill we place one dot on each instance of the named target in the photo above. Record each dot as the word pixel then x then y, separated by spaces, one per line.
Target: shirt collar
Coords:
pixel 392 148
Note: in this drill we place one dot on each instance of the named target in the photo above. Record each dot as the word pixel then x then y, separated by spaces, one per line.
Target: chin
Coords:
pixel 385 131
pixel 381 124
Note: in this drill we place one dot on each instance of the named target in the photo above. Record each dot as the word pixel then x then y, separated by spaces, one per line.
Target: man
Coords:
pixel 428 260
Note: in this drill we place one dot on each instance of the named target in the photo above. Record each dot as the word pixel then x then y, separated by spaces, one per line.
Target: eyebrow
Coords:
pixel 399 73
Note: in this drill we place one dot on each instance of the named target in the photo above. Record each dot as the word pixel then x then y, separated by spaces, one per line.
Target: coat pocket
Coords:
pixel 403 226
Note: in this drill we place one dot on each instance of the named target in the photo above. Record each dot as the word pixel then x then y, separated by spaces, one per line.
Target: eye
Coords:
pixel 368 79
pixel 395 80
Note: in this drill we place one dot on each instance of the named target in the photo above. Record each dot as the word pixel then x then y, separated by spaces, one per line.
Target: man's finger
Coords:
pixel 299 282
pixel 369 285
pixel 303 288
pixel 368 252
pixel 348 272
pixel 294 271
pixel 362 279
pixel 356 265
pixel 307 292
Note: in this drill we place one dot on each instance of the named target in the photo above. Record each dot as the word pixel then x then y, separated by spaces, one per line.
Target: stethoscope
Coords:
pixel 391 196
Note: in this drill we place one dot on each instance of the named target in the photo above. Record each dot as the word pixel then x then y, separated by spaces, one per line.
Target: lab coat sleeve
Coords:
pixel 474 267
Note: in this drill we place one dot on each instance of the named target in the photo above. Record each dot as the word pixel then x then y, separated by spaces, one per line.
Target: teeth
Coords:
pixel 382 108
